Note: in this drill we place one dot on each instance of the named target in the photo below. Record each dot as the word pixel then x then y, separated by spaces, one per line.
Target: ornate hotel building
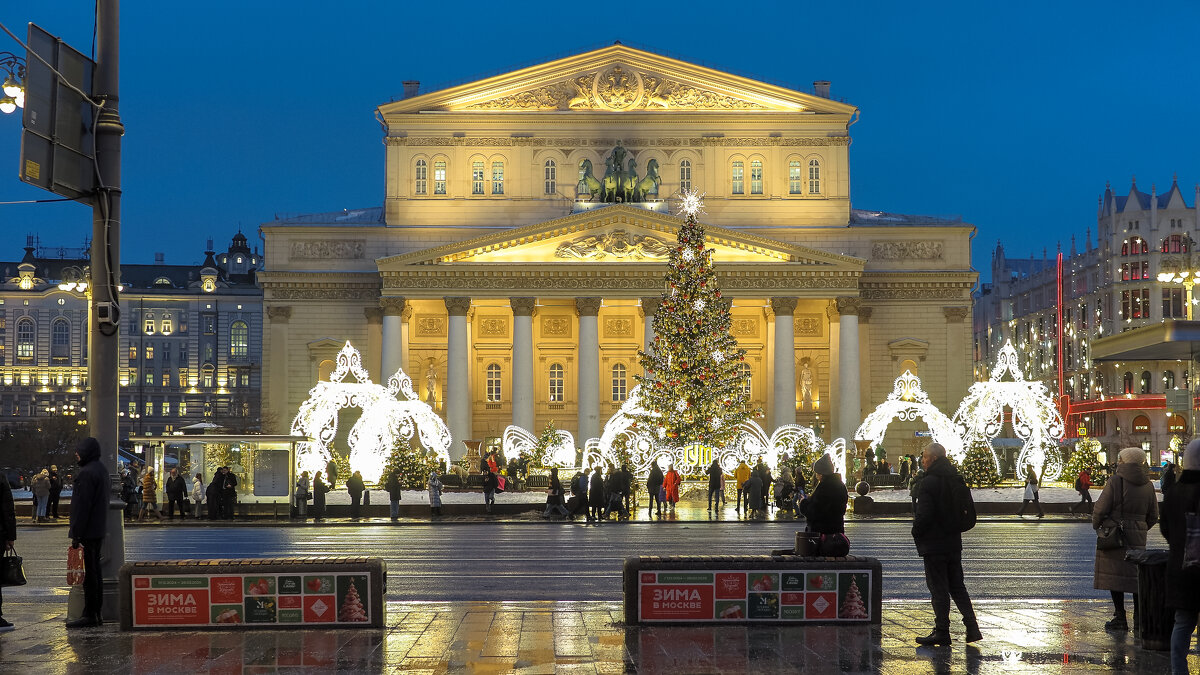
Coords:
pixel 518 256
pixel 1107 289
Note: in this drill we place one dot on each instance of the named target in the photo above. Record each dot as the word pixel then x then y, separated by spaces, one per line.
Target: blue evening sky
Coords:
pixel 1012 115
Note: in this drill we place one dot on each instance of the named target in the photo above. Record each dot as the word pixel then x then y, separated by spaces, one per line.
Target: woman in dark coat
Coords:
pixel 354 485
pixel 1128 497
pixel 825 510
pixel 596 496
pixel 653 485
pixel 554 496
pixel 213 494
pixel 319 490
pixel 1183 588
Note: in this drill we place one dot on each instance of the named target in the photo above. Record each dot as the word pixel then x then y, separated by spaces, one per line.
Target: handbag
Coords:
pixel 11 572
pixel 1111 535
pixel 834 545
pixel 75 566
pixel 662 494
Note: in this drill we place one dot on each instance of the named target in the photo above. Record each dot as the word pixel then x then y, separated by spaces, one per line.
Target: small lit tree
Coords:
pixel 1084 457
pixel 979 466
pixel 412 464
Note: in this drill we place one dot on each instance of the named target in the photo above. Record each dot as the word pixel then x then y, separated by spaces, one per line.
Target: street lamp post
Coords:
pixel 12 67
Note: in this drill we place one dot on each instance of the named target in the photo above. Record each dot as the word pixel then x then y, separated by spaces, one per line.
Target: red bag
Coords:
pixel 499 483
pixel 75 566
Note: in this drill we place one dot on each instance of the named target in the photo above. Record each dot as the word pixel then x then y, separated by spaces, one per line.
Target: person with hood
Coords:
pixel 89 526
pixel 714 483
pixel 1127 499
pixel 1032 482
pixel 435 494
pixel 303 493
pixel 785 491
pixel 825 510
pixel 1167 477
pixel 228 493
pixel 355 486
pixel 8 535
pixel 149 495
pixel 395 489
pixel 596 497
pixel 213 493
pixel 197 495
pixel 554 496
pixel 128 492
pixel 654 483
pixel 319 491
pixel 176 491
pixel 1183 586
pixel 614 494
pixel 41 495
pixel 56 487
pixel 671 482
pixel 939 543
pixel 740 475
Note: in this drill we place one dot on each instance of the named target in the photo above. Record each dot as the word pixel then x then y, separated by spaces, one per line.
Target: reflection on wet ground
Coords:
pixel 1030 636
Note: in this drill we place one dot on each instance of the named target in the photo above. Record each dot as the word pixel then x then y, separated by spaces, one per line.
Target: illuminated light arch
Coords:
pixel 1035 418
pixel 517 440
pixel 907 402
pixel 385 419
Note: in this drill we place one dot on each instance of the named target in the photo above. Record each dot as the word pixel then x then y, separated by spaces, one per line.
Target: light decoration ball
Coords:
pixel 691 203
pixel 389 414
pixel 908 402
pixel 1035 417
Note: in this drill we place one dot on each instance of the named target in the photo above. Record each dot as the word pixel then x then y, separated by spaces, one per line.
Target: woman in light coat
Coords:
pixel 41 493
pixel 1130 500
pixel 1032 482
pixel 198 488
pixel 435 494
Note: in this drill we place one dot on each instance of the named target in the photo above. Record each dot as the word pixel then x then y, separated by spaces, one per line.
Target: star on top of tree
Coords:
pixel 691 202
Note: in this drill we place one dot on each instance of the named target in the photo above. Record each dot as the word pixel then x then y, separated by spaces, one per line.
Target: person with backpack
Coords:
pixel 945 510
pixel 1083 485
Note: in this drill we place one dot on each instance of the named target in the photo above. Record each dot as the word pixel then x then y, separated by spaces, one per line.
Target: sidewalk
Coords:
pixel 1025 636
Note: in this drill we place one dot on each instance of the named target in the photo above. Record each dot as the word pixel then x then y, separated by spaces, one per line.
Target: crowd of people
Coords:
pixel 212 500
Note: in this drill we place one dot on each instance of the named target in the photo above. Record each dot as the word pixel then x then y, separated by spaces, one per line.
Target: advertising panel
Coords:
pixel 682 596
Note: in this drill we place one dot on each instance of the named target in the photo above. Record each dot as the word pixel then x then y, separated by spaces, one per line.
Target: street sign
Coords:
pixel 1179 401
pixel 1082 431
pixel 57 145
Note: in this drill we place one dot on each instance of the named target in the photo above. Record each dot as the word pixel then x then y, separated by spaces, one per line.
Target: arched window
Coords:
pixel 497 178
pixel 207 376
pixel 756 177
pixel 239 340
pixel 1141 424
pixel 439 177
pixel 422 176
pixel 549 177
pixel 556 383
pixel 685 175
pixel 1128 382
pixel 814 176
pixel 1177 424
pixel 25 333
pixel 1145 388
pixel 1174 244
pixel 477 177
pixel 493 382
pixel 1135 246
pixel 60 340
pixel 795 177
pixel 619 383
pixel 737 176
pixel 1168 379
pixel 744 375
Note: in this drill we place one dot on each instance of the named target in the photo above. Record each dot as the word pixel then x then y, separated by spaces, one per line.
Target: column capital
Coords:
pixel 587 306
pixel 783 305
pixel 279 313
pixel 457 306
pixel 523 306
pixel 864 314
pixel 374 314
pixel 956 314
pixel 847 305
pixel 392 306
pixel 650 305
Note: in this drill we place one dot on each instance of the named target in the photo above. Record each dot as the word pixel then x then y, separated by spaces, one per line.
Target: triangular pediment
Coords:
pixel 617 234
pixel 617 79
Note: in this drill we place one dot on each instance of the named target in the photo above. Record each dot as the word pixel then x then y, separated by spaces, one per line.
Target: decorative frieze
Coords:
pixel 640 282
pixel 430 325
pixel 566 145
pixel 617 244
pixel 323 293
pixel 556 326
pixel 618 327
pixel 492 326
pixel 279 313
pixel 809 325
pixel 744 327
pixel 327 249
pixel 911 249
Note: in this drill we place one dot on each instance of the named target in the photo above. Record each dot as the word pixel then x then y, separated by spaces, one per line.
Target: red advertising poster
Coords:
pixel 821 605
pixel 736 596
pixel 320 609
pixel 170 601
pixel 731 586
pixel 226 590
pixel 677 602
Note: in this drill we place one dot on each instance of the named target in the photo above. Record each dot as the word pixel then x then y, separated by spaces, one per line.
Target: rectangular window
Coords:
pixel 756 177
pixel 149 408
pixel 814 177
pixel 1172 303
pixel 150 377
pixel 550 177
pixel 421 177
pixel 476 178
pixel 183 354
pixel 439 178
pixel 166 408
pixel 149 327
pixel 132 408
pixel 166 352
pixel 497 178
pixel 166 378
pixel 685 175
pixel 556 383
pixel 1126 311
pixel 210 324
pixel 183 378
pixel 207 379
pixel 168 326
pixel 738 179
pixel 149 352
pixel 182 408
pixel 133 353
pixel 795 178
pixel 244 377
pixel 1145 269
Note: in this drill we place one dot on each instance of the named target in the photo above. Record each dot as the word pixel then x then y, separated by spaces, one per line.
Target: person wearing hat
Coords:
pixel 1183 587
pixel 89 526
pixel 825 510
pixel 1129 499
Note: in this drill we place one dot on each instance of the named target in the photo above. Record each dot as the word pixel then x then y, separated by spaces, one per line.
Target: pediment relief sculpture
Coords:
pixel 617 244
pixel 618 88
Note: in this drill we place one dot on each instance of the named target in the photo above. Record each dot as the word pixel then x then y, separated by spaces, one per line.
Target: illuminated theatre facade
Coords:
pixel 519 255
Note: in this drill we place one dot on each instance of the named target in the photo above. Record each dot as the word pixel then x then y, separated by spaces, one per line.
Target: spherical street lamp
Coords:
pixel 13 69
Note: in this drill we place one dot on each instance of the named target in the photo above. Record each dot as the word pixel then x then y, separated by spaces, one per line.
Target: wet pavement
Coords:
pixel 588 637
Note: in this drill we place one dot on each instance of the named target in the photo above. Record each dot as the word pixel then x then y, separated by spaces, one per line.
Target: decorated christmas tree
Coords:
pixel 412 465
pixel 352 607
pixel 692 390
pixel 979 466
pixel 546 443
pixel 852 605
pixel 1084 457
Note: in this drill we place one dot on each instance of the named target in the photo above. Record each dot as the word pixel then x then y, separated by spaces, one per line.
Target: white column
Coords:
pixel 649 307
pixel 390 350
pixel 372 356
pixel 522 361
pixel 277 361
pixel 958 366
pixel 589 370
pixel 404 362
pixel 783 393
pixel 849 412
pixel 457 394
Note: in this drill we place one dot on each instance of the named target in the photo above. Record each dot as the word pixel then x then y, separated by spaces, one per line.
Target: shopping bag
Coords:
pixel 11 572
pixel 75 566
pixel 499 483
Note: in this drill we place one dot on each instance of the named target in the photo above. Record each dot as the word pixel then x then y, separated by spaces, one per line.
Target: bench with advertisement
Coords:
pixel 753 589
pixel 324 592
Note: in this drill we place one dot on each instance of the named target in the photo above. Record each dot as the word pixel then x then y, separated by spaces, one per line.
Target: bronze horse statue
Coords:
pixel 588 184
pixel 647 188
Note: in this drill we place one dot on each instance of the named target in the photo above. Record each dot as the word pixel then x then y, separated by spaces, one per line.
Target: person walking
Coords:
pixel 197 495
pixel 41 495
pixel 303 494
pixel 435 494
pixel 825 510
pixel 1032 483
pixel 228 493
pixel 671 482
pixel 319 491
pixel 176 488
pixel 213 494
pixel 1083 485
pixel 354 485
pixel 128 493
pixel 89 526
pixel 554 496
pixel 596 496
pixel 1183 587
pixel 56 488
pixel 714 484
pixel 8 535
pixel 491 483
pixel 654 483
pixel 740 475
pixel 1128 500
pixel 149 495
pixel 905 468
pixel 395 489
pixel 939 543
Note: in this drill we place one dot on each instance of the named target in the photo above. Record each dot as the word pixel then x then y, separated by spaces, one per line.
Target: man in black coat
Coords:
pixel 654 483
pixel 939 543
pixel 714 483
pixel 212 494
pixel 1183 588
pixel 176 488
pixel 596 496
pixel 56 487
pixel 228 493
pixel 8 534
pixel 89 526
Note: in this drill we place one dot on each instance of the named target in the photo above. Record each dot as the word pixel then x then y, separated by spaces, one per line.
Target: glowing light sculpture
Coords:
pixel 517 440
pixel 389 414
pixel 908 402
pixel 1035 418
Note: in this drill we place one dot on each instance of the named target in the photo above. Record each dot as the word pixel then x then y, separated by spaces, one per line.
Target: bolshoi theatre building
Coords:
pixel 518 257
